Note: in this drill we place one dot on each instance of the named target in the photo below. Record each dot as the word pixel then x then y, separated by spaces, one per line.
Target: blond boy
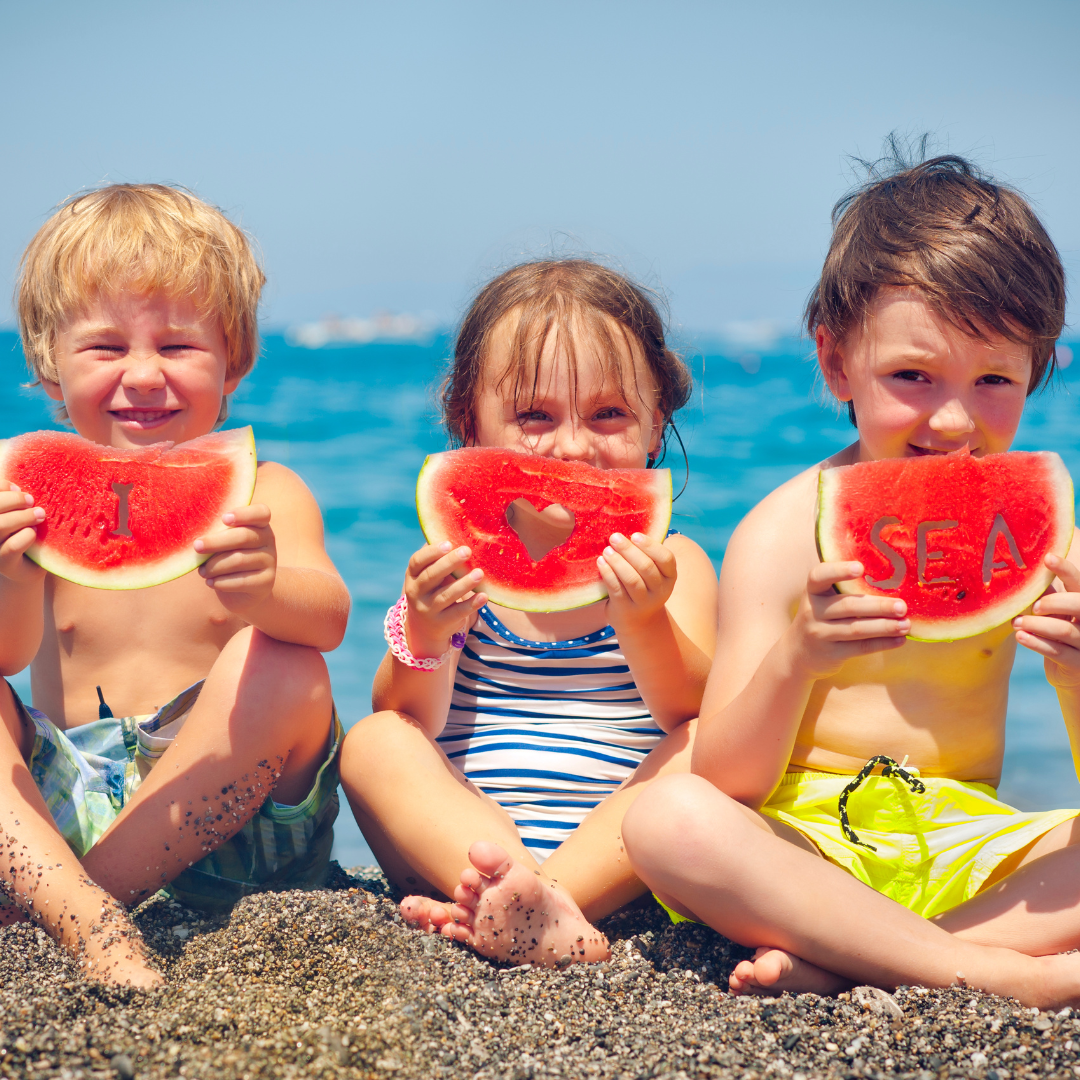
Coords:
pixel 137 307
pixel 935 318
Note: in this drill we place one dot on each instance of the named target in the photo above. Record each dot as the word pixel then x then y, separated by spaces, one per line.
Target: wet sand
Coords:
pixel 331 983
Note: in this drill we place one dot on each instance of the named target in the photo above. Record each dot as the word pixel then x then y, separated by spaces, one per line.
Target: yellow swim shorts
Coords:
pixel 934 848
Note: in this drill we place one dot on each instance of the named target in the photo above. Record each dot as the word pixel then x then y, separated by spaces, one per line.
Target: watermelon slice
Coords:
pixel 127 519
pixel 464 495
pixel 960 539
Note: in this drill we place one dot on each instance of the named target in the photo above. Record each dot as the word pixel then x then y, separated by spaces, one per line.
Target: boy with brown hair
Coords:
pixel 935 317
pixel 138 311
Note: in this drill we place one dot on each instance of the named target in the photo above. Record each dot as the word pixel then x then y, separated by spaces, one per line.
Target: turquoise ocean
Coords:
pixel 356 422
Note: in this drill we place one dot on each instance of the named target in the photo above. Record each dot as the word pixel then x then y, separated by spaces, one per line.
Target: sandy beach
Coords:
pixel 332 983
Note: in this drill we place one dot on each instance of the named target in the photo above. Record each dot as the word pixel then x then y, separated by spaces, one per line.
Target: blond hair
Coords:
pixel 144 238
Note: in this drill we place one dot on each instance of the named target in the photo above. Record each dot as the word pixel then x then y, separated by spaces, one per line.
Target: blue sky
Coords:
pixel 394 155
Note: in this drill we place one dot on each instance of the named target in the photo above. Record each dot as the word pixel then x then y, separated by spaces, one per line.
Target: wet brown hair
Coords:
pixel 973 247
pixel 560 295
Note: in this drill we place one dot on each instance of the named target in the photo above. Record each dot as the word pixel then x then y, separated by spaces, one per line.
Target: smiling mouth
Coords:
pixel 143 417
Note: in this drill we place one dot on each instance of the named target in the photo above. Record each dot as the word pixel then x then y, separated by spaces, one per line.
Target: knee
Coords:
pixel 675 819
pixel 295 675
pixel 376 743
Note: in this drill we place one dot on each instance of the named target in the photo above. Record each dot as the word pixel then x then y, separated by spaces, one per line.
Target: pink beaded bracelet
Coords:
pixel 394 632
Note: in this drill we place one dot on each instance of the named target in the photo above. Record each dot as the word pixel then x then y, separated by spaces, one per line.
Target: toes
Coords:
pixel 490 859
pixel 439 915
pixel 472 881
pixel 415 909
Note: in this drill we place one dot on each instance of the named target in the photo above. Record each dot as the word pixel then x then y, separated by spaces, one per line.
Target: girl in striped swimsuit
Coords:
pixel 502 778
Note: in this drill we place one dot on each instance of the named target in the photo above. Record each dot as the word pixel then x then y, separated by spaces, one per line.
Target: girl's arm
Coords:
pixel 665 620
pixel 439 605
pixel 269 564
pixel 781 630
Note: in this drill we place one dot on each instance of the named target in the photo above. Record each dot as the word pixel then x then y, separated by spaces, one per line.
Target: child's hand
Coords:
pixel 439 603
pixel 831 628
pixel 1051 629
pixel 639 574
pixel 18 516
pixel 243 563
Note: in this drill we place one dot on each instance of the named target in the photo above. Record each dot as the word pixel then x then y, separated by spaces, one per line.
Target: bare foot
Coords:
pixel 423 913
pixel 508 912
pixel 772 971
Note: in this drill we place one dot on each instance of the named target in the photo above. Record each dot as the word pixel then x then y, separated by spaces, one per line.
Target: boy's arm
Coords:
pixel 269 564
pixel 1052 630
pixel 781 630
pixel 22 583
pixel 669 644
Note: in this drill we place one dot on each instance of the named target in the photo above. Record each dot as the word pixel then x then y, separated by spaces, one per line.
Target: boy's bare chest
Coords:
pixel 143 646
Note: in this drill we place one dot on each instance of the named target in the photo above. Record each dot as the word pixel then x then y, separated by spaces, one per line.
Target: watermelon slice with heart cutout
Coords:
pixel 960 539
pixel 128 518
pixel 536 525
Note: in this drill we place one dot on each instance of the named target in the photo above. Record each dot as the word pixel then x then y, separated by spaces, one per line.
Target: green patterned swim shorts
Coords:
pixel 86 775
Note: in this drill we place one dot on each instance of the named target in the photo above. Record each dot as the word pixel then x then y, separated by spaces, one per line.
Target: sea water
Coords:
pixel 356 423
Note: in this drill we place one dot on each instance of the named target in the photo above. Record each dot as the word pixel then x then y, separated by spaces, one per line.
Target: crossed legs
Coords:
pixel 818 929
pixel 425 821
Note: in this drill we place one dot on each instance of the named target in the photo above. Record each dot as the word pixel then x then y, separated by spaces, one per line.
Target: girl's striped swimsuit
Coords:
pixel 546 728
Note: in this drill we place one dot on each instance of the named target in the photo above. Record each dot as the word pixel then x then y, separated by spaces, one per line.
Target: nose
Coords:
pixel 143 373
pixel 952 418
pixel 572 442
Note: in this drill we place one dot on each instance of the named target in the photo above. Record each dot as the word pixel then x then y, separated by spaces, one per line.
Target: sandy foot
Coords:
pixel 772 971
pixel 509 912
pixel 423 913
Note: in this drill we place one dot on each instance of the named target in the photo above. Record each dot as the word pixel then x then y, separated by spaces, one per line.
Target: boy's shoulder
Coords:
pixel 279 488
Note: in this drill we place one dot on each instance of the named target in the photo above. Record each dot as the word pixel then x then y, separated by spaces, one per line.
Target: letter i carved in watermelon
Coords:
pixel 960 539
pixel 536 525
pixel 128 518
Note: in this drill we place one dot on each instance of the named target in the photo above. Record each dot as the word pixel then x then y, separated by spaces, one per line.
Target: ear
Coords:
pixel 53 389
pixel 231 383
pixel 831 361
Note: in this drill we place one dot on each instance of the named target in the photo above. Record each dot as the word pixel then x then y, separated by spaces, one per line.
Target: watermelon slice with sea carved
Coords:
pixel 960 539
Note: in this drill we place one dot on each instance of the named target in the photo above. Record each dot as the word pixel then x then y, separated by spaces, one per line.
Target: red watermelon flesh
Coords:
pixel 960 539
pixel 462 496
pixel 127 518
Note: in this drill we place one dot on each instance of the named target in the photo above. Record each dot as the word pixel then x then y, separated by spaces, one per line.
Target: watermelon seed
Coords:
pixel 961 594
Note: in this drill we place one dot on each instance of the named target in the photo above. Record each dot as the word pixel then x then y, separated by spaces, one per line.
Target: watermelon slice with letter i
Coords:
pixel 128 519
pixel 536 525
pixel 960 539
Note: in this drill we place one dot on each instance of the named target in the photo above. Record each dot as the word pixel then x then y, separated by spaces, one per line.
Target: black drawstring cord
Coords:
pixel 891 769
pixel 103 710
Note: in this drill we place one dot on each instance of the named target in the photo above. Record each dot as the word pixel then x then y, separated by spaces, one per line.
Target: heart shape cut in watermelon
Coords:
pixel 540 530
pixel 463 496
pixel 128 518
pixel 960 539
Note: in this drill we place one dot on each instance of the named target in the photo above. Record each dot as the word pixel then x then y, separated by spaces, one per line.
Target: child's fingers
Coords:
pixel 420 560
pixel 824 576
pixel 238 539
pixel 257 515
pixel 14 499
pixel 24 518
pixel 1062 631
pixel 840 606
pixel 653 562
pixel 235 562
pixel 861 629
pixel 455 592
pixel 610 578
pixel 1065 605
pixel 432 576
pixel 242 581
pixel 630 580
pixel 1067 573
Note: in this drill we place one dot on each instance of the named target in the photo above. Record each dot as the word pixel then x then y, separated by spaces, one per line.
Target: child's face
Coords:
pixel 922 386
pixel 140 369
pixel 590 422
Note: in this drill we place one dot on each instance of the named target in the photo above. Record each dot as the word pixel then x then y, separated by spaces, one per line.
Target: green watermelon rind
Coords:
pixel 530 599
pixel 237 442
pixel 990 617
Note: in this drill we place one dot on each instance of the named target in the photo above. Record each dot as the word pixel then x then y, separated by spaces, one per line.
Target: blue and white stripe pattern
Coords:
pixel 546 728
